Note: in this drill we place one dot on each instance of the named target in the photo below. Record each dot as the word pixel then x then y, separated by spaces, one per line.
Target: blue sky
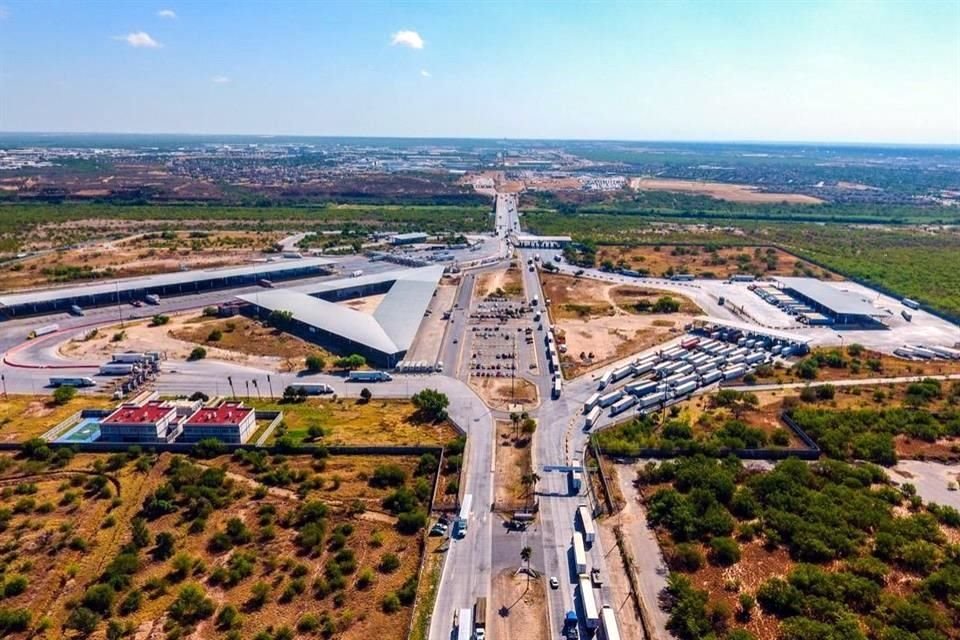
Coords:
pixel 868 71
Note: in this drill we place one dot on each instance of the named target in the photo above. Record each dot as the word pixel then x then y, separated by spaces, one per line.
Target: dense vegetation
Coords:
pixel 871 559
pixel 713 434
pixel 355 221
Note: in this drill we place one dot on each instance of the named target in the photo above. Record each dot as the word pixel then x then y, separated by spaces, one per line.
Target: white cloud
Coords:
pixel 140 40
pixel 220 80
pixel 425 73
pixel 410 39
pixel 167 13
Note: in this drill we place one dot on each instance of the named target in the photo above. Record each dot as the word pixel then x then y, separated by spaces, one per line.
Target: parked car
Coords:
pixel 554 583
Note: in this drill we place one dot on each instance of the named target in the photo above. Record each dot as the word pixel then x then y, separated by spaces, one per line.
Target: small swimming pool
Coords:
pixel 87 430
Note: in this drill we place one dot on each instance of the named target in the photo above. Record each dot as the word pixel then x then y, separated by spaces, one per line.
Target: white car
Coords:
pixel 554 583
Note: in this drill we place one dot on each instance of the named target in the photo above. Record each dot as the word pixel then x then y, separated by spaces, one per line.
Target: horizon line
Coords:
pixel 748 141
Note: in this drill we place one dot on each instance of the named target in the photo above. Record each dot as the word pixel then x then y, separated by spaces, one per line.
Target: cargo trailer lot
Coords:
pixel 742 304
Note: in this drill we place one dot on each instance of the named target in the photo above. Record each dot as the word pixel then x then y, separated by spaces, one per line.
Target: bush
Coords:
pixel 389 563
pixel 191 605
pixel 99 598
pixel 687 557
pixel 724 551
pixel 198 353
pixel 14 585
pixel 215 336
pixel 315 363
pixel 388 475
pixel 13 620
pixel 159 320
pixel 63 395
pixel 390 603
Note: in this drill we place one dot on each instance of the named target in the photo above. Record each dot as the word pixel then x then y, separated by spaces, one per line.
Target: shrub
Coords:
pixel 191 605
pixel 724 551
pixel 390 603
pixel 315 363
pixel 99 598
pixel 388 475
pixel 14 585
pixel 215 336
pixel 687 557
pixel 389 563
pixel 159 320
pixel 63 395
pixel 198 353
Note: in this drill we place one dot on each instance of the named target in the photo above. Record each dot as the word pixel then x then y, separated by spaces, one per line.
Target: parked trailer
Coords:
pixel 923 352
pixel 369 376
pixel 586 523
pixel 579 553
pixel 129 357
pixel 662 370
pixel 689 343
pixel 63 381
pixel 622 405
pixel 641 388
pixel 673 353
pixel 684 389
pixel 591 402
pixel 110 369
pixel 621 373
pixel 904 353
pixel 609 398
pixel 684 370
pixel 557 386
pixel 652 399
pixel 592 418
pixel 906 315
pixel 608 624
pixel 605 379
pixel 45 330
pixel 465 624
pixel 643 367
pixel 913 304
pixel 709 377
pixel 687 378
pixel 734 372
pixel 755 357
pixel 591 616
pixel 946 352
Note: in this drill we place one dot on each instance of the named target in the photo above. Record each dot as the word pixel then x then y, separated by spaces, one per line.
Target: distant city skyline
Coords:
pixel 789 72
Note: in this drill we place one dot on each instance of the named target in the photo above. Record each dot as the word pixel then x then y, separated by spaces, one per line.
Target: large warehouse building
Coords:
pixel 163 284
pixel 383 337
pixel 842 307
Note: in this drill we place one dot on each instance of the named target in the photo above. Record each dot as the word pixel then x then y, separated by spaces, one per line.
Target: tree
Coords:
pixel 315 363
pixel 366 394
pixel 353 361
pixel 140 535
pixel 666 304
pixel 431 405
pixel 525 554
pixel 191 605
pixel 63 395
pixel 280 318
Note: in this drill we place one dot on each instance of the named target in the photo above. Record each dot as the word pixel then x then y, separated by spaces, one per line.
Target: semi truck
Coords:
pixel 608 399
pixel 116 369
pixel 579 553
pixel 46 329
pixel 622 405
pixel 586 523
pixel 591 402
pixel 312 389
pixel 608 624
pixel 128 357
pixel 465 624
pixel 463 517
pixel 557 386
pixel 591 418
pixel 369 376
pixel 605 379
pixel 64 381
pixel 480 618
pixel 591 616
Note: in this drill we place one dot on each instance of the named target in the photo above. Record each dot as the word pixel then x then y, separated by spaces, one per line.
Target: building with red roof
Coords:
pixel 155 422
pixel 230 422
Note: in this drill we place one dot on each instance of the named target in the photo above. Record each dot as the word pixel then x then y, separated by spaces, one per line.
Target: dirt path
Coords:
pixel 518 608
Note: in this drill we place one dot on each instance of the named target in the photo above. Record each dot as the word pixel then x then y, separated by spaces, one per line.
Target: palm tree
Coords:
pixel 525 554
pixel 515 419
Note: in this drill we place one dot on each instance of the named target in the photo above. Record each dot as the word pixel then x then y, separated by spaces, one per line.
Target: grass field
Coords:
pixel 381 422
pixel 28 416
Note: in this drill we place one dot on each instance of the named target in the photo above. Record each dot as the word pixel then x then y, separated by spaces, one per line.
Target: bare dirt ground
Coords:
pixel 508 280
pixel 721 263
pixel 513 463
pixel 518 608
pixel 499 393
pixel 140 254
pixel 599 318
pixel 178 338
pixel 721 191
pixel 366 304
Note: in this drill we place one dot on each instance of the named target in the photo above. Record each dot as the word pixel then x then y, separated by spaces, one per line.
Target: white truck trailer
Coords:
pixel 609 398
pixel 591 616
pixel 591 418
pixel 608 624
pixel 465 624
pixel 622 405
pixel 579 553
pixel 586 523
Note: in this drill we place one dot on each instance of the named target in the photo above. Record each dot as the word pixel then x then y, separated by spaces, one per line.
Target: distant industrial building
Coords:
pixel 382 337
pixel 526 241
pixel 408 238
pixel 164 284
pixel 827 301
pixel 230 422
pixel 154 422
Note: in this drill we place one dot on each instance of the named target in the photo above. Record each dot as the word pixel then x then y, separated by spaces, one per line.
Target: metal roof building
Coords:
pixel 162 284
pixel 383 337
pixel 844 307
